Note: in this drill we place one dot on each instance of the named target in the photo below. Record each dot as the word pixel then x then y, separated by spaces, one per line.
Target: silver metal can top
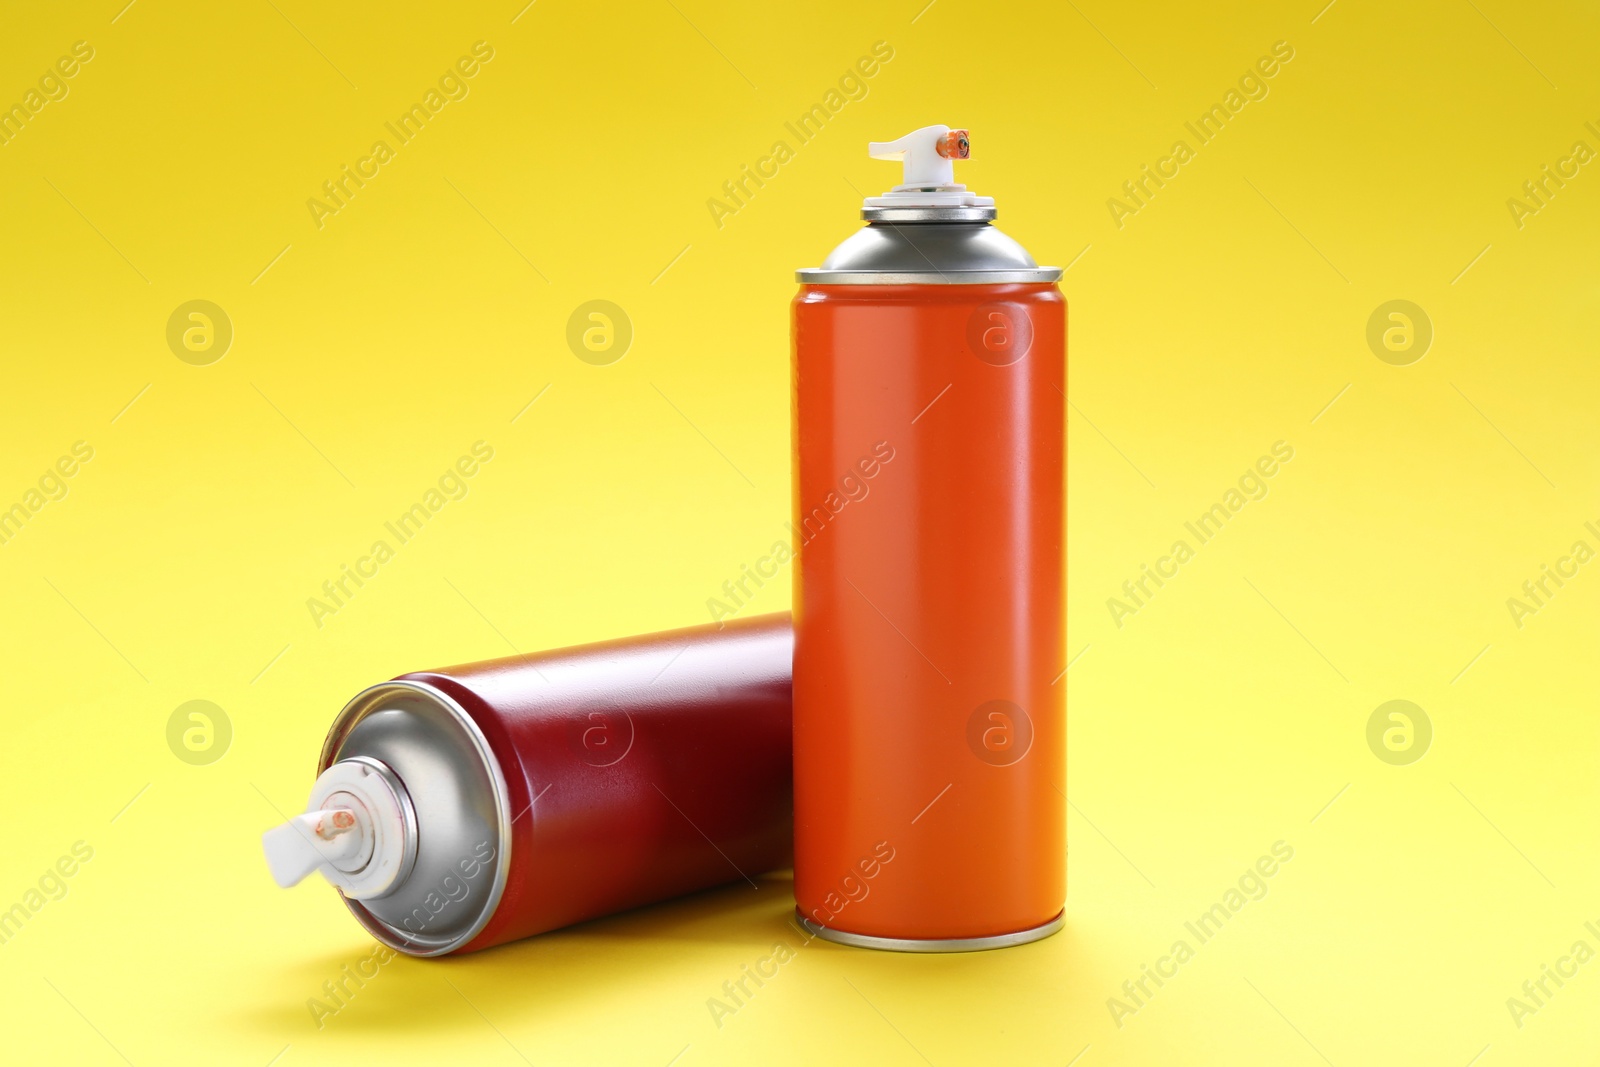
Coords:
pixel 941 249
pixel 453 784
pixel 928 230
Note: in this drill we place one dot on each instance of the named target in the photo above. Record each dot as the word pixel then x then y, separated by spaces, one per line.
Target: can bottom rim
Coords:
pixel 956 944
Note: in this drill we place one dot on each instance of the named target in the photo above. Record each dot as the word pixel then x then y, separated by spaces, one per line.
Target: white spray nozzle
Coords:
pixel 927 154
pixel 307 841
pixel 359 830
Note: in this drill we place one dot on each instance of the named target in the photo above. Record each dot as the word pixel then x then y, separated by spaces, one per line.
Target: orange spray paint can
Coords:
pixel 929 378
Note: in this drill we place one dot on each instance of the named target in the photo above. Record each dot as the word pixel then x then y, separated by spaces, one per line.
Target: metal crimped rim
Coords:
pixel 341 727
pixel 910 213
pixel 956 944
pixel 823 276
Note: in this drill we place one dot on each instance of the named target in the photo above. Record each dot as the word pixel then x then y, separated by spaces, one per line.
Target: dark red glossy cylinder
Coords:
pixel 637 769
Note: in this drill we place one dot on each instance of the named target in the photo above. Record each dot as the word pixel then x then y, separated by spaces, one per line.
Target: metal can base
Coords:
pixel 957 944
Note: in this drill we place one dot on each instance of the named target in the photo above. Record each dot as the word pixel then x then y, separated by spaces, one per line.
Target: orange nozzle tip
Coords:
pixel 955 145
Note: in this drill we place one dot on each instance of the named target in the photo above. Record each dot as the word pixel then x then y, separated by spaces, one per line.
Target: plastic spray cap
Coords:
pixel 359 830
pixel 928 156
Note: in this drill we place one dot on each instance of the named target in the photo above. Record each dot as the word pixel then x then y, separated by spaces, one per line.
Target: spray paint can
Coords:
pixel 459 809
pixel 929 728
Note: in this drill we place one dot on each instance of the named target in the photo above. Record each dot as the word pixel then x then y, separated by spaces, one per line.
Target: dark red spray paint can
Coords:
pixel 929 728
pixel 463 808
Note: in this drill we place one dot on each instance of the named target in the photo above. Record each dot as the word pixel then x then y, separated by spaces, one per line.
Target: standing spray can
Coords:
pixel 459 809
pixel 929 718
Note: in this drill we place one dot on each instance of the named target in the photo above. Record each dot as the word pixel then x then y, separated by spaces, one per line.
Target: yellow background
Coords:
pixel 1223 317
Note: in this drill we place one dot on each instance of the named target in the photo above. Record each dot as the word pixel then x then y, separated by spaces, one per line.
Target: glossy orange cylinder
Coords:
pixel 929 703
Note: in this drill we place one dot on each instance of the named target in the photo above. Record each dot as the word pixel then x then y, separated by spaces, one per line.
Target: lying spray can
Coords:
pixel 463 808
pixel 929 731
